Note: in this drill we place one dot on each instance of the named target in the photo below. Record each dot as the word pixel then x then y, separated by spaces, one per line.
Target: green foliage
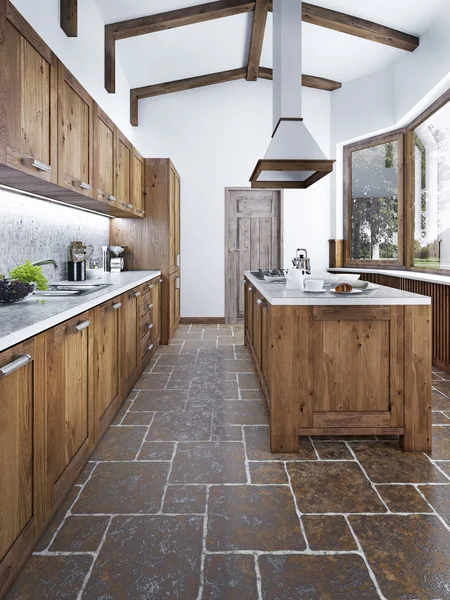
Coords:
pixel 27 273
pixel 2 277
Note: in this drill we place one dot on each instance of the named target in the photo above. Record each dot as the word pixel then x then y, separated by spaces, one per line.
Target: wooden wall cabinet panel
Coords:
pixel 68 403
pixel 123 173
pixel 174 303
pixel 153 242
pixel 106 354
pixel 105 157
pixel 75 135
pixel 130 339
pixel 137 176
pixel 31 100
pixel 21 455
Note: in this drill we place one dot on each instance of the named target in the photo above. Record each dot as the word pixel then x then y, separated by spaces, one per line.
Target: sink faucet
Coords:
pixel 49 261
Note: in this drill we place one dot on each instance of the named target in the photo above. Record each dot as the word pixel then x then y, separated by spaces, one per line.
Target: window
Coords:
pixel 374 200
pixel 431 189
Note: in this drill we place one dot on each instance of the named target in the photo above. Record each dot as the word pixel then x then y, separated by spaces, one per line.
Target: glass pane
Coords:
pixel 432 192
pixel 375 203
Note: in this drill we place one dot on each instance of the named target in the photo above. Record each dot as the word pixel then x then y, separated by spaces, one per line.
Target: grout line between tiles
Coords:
pixel 95 556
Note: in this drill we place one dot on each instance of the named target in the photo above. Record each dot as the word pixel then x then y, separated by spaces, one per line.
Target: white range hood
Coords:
pixel 293 159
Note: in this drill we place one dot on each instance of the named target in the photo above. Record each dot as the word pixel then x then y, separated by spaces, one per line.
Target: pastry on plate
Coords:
pixel 343 288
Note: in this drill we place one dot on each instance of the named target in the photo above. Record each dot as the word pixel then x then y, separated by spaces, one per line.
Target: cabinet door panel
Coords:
pixel 75 134
pixel 105 133
pixel 16 448
pixel 177 218
pixel 138 183
pixel 172 219
pixel 67 398
pixel 124 162
pixel 156 309
pixel 32 108
pixel 130 336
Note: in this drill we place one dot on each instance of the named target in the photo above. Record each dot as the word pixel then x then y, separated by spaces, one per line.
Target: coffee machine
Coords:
pixel 114 258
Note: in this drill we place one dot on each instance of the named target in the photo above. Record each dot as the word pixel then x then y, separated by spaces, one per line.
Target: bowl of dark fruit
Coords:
pixel 13 290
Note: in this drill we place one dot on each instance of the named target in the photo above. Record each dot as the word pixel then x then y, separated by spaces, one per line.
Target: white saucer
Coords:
pixel 315 291
pixel 344 293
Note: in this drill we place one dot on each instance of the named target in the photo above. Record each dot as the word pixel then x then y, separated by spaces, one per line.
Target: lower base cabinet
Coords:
pixel 59 393
pixel 174 303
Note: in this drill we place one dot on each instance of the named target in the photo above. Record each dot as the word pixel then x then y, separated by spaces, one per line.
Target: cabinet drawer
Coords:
pixel 146 329
pixel 146 307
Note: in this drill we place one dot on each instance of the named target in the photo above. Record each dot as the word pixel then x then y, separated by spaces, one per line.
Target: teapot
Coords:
pixel 294 279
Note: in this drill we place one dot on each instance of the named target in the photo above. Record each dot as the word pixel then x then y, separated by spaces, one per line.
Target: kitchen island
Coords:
pixel 333 364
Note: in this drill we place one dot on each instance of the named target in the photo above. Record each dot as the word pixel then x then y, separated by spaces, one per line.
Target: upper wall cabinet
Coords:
pixel 30 69
pixel 137 175
pixel 124 162
pixel 75 134
pixel 105 157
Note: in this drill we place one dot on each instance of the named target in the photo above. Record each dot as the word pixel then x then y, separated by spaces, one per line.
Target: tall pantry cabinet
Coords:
pixel 154 241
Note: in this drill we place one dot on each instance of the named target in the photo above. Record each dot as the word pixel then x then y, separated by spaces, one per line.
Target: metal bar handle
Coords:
pixel 150 326
pixel 161 280
pixel 19 361
pixel 177 283
pixel 115 306
pixel 178 260
pixel 82 184
pixel 136 294
pixel 37 164
pixel 78 328
pixel 150 347
pixel 259 301
pixel 149 305
pixel 111 198
pixel 250 289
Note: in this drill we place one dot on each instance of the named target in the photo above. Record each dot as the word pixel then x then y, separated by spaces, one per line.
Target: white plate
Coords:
pixel 346 293
pixel 314 291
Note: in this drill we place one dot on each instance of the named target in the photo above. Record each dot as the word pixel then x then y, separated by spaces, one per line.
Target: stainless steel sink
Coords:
pixel 63 289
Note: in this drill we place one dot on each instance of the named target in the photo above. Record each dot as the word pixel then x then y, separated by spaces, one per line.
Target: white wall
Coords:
pixel 83 55
pixel 214 136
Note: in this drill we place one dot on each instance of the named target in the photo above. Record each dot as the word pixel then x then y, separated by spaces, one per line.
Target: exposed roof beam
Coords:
pixel 162 21
pixel 181 84
pixel 318 83
pixel 69 17
pixel 256 44
pixel 190 83
pixel 332 19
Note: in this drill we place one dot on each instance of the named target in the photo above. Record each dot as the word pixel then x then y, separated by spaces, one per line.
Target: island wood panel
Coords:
pixel 105 154
pixel 105 382
pixel 68 404
pixel 440 302
pixel 75 134
pixel 22 472
pixel 31 110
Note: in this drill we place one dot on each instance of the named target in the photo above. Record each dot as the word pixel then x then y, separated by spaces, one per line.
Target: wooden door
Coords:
pixel 68 403
pixel 138 183
pixel 31 99
pixel 123 175
pixel 105 152
pixel 172 220
pixel 130 338
pixel 22 509
pixel 75 135
pixel 253 241
pixel 106 353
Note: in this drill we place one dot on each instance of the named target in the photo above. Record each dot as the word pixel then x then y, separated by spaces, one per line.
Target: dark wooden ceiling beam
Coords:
pixel 69 17
pixel 162 21
pixel 257 39
pixel 180 85
pixel 190 83
pixel 318 83
pixel 332 19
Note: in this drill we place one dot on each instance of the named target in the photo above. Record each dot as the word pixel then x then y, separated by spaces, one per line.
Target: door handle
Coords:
pixel 77 328
pixel 37 164
pixel 18 362
pixel 112 198
pixel 115 306
pixel 136 294
pixel 81 184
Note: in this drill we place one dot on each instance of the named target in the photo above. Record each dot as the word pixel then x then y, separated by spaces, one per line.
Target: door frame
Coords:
pixel 228 190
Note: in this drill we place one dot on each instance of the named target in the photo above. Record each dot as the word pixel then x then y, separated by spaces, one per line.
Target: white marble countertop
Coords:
pixel 35 314
pixel 277 294
pixel 428 277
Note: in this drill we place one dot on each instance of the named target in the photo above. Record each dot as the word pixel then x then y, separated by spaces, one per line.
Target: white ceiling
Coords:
pixel 223 44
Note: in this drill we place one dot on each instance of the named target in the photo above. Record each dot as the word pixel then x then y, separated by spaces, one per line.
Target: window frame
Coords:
pixel 393 136
pixel 410 182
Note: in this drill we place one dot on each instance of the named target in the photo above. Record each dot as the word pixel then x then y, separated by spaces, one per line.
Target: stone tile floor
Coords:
pixel 183 499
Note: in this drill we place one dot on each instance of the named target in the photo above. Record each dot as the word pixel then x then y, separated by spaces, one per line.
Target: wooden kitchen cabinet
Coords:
pixel 21 455
pixel 106 352
pixel 123 173
pixel 68 403
pixel 157 310
pixel 130 339
pixel 258 302
pixel 150 323
pixel 30 119
pixel 105 157
pixel 154 241
pixel 75 135
pixel 137 175
pixel 249 302
pixel 266 348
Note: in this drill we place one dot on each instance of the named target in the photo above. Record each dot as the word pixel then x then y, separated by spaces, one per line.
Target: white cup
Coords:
pixel 313 285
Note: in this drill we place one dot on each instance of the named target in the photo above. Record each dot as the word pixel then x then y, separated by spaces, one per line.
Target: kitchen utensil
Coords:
pixel 301 261
pixel 76 270
pixel 313 285
pixel 294 279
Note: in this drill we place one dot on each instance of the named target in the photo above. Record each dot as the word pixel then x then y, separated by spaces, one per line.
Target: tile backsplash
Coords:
pixel 36 229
